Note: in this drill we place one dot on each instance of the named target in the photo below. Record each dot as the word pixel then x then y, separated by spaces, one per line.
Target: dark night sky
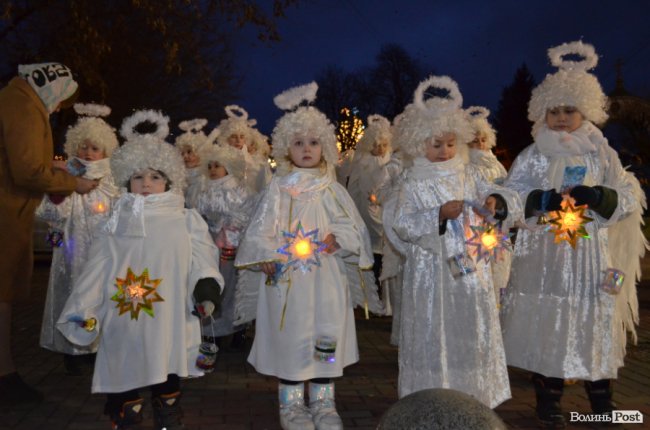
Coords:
pixel 479 44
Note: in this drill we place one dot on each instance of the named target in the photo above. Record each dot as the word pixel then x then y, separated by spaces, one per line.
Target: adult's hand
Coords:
pixel 85 185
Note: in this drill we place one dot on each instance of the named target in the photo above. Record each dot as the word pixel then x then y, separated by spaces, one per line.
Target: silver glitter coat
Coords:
pixel 556 319
pixel 77 216
pixel 450 335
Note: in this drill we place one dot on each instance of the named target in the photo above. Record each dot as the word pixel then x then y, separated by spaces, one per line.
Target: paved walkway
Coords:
pixel 236 397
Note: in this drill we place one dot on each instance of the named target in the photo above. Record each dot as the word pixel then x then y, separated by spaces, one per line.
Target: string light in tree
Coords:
pixel 350 129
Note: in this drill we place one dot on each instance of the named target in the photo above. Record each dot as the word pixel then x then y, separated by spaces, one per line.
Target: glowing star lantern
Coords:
pixel 568 223
pixel 489 242
pixel 99 207
pixel 302 249
pixel 136 293
pixel 373 199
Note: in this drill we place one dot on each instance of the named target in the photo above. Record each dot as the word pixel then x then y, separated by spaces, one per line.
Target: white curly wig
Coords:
pixel 572 85
pixel 236 122
pixel 478 116
pixel 303 121
pixel 228 157
pixel 193 135
pixel 378 128
pixel 260 142
pixel 90 127
pixel 426 119
pixel 147 151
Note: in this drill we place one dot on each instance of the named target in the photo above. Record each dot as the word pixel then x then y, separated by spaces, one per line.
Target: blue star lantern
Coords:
pixel 302 249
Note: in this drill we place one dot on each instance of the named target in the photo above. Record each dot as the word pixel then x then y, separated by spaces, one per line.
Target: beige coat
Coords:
pixel 26 173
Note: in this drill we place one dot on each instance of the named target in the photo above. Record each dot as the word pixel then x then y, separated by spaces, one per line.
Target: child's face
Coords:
pixel 190 158
pixel 147 182
pixel 237 140
pixel 441 148
pixel 563 118
pixel 305 151
pixel 479 142
pixel 216 170
pixel 88 151
pixel 380 148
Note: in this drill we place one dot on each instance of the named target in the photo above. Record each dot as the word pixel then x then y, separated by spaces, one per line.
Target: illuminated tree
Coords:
pixel 349 129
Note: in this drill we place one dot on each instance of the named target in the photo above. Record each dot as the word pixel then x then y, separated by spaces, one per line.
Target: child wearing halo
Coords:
pixel 305 231
pixel 152 264
pixel 450 335
pixel 564 315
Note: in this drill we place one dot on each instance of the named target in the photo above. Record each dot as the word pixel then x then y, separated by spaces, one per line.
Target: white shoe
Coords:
pixel 325 415
pixel 294 415
pixel 323 407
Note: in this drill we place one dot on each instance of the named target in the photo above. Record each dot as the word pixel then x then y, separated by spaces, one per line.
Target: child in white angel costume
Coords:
pixel 152 262
pixel 237 131
pixel 226 203
pixel 373 152
pixel 191 144
pixel 481 156
pixel 450 335
pixel 73 220
pixel 304 235
pixel 561 318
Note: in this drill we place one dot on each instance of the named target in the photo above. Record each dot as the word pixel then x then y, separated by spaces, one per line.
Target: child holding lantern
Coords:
pixel 450 335
pixel 72 222
pixel 305 231
pixel 563 321
pixel 152 262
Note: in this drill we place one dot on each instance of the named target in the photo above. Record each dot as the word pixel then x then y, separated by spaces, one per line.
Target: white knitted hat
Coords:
pixel 572 85
pixel 428 118
pixel 147 151
pixel 304 121
pixel 90 127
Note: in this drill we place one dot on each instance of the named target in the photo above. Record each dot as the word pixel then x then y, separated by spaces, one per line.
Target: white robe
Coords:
pixel 227 206
pixel 196 179
pixel 450 334
pixel 365 173
pixel 157 234
pixel 317 302
pixel 556 319
pixel 76 216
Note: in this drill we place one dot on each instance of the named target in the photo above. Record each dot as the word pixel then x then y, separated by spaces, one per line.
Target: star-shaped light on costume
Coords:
pixel 136 293
pixel 489 241
pixel 302 249
pixel 568 223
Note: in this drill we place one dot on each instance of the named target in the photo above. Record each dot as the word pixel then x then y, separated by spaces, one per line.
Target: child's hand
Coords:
pixel 268 268
pixel 332 244
pixel 60 164
pixel 451 210
pixel 490 205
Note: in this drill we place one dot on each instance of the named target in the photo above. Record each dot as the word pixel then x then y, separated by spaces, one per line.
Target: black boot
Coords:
pixel 600 396
pixel 167 412
pixel 126 416
pixel 548 392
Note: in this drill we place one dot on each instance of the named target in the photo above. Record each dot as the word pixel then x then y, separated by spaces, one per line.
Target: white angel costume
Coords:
pixel 362 186
pixel 77 216
pixel 557 320
pixel 138 285
pixel 196 181
pixel 450 333
pixel 227 205
pixel 305 305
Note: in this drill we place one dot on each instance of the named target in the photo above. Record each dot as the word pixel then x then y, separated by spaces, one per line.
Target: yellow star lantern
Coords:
pixel 136 293
pixel 302 249
pixel 488 242
pixel 568 223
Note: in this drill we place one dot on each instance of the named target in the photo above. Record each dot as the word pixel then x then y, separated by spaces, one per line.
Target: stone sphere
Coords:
pixel 440 408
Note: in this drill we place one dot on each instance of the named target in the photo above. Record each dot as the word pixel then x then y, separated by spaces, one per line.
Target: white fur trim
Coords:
pixel 291 98
pixel 585 50
pixel 156 117
pixel 92 109
pixel 196 124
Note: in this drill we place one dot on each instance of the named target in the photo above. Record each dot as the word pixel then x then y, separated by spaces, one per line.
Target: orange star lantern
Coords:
pixel 568 223
pixel 136 293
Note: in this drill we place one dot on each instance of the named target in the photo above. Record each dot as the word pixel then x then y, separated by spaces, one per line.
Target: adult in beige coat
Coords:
pixel 27 172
